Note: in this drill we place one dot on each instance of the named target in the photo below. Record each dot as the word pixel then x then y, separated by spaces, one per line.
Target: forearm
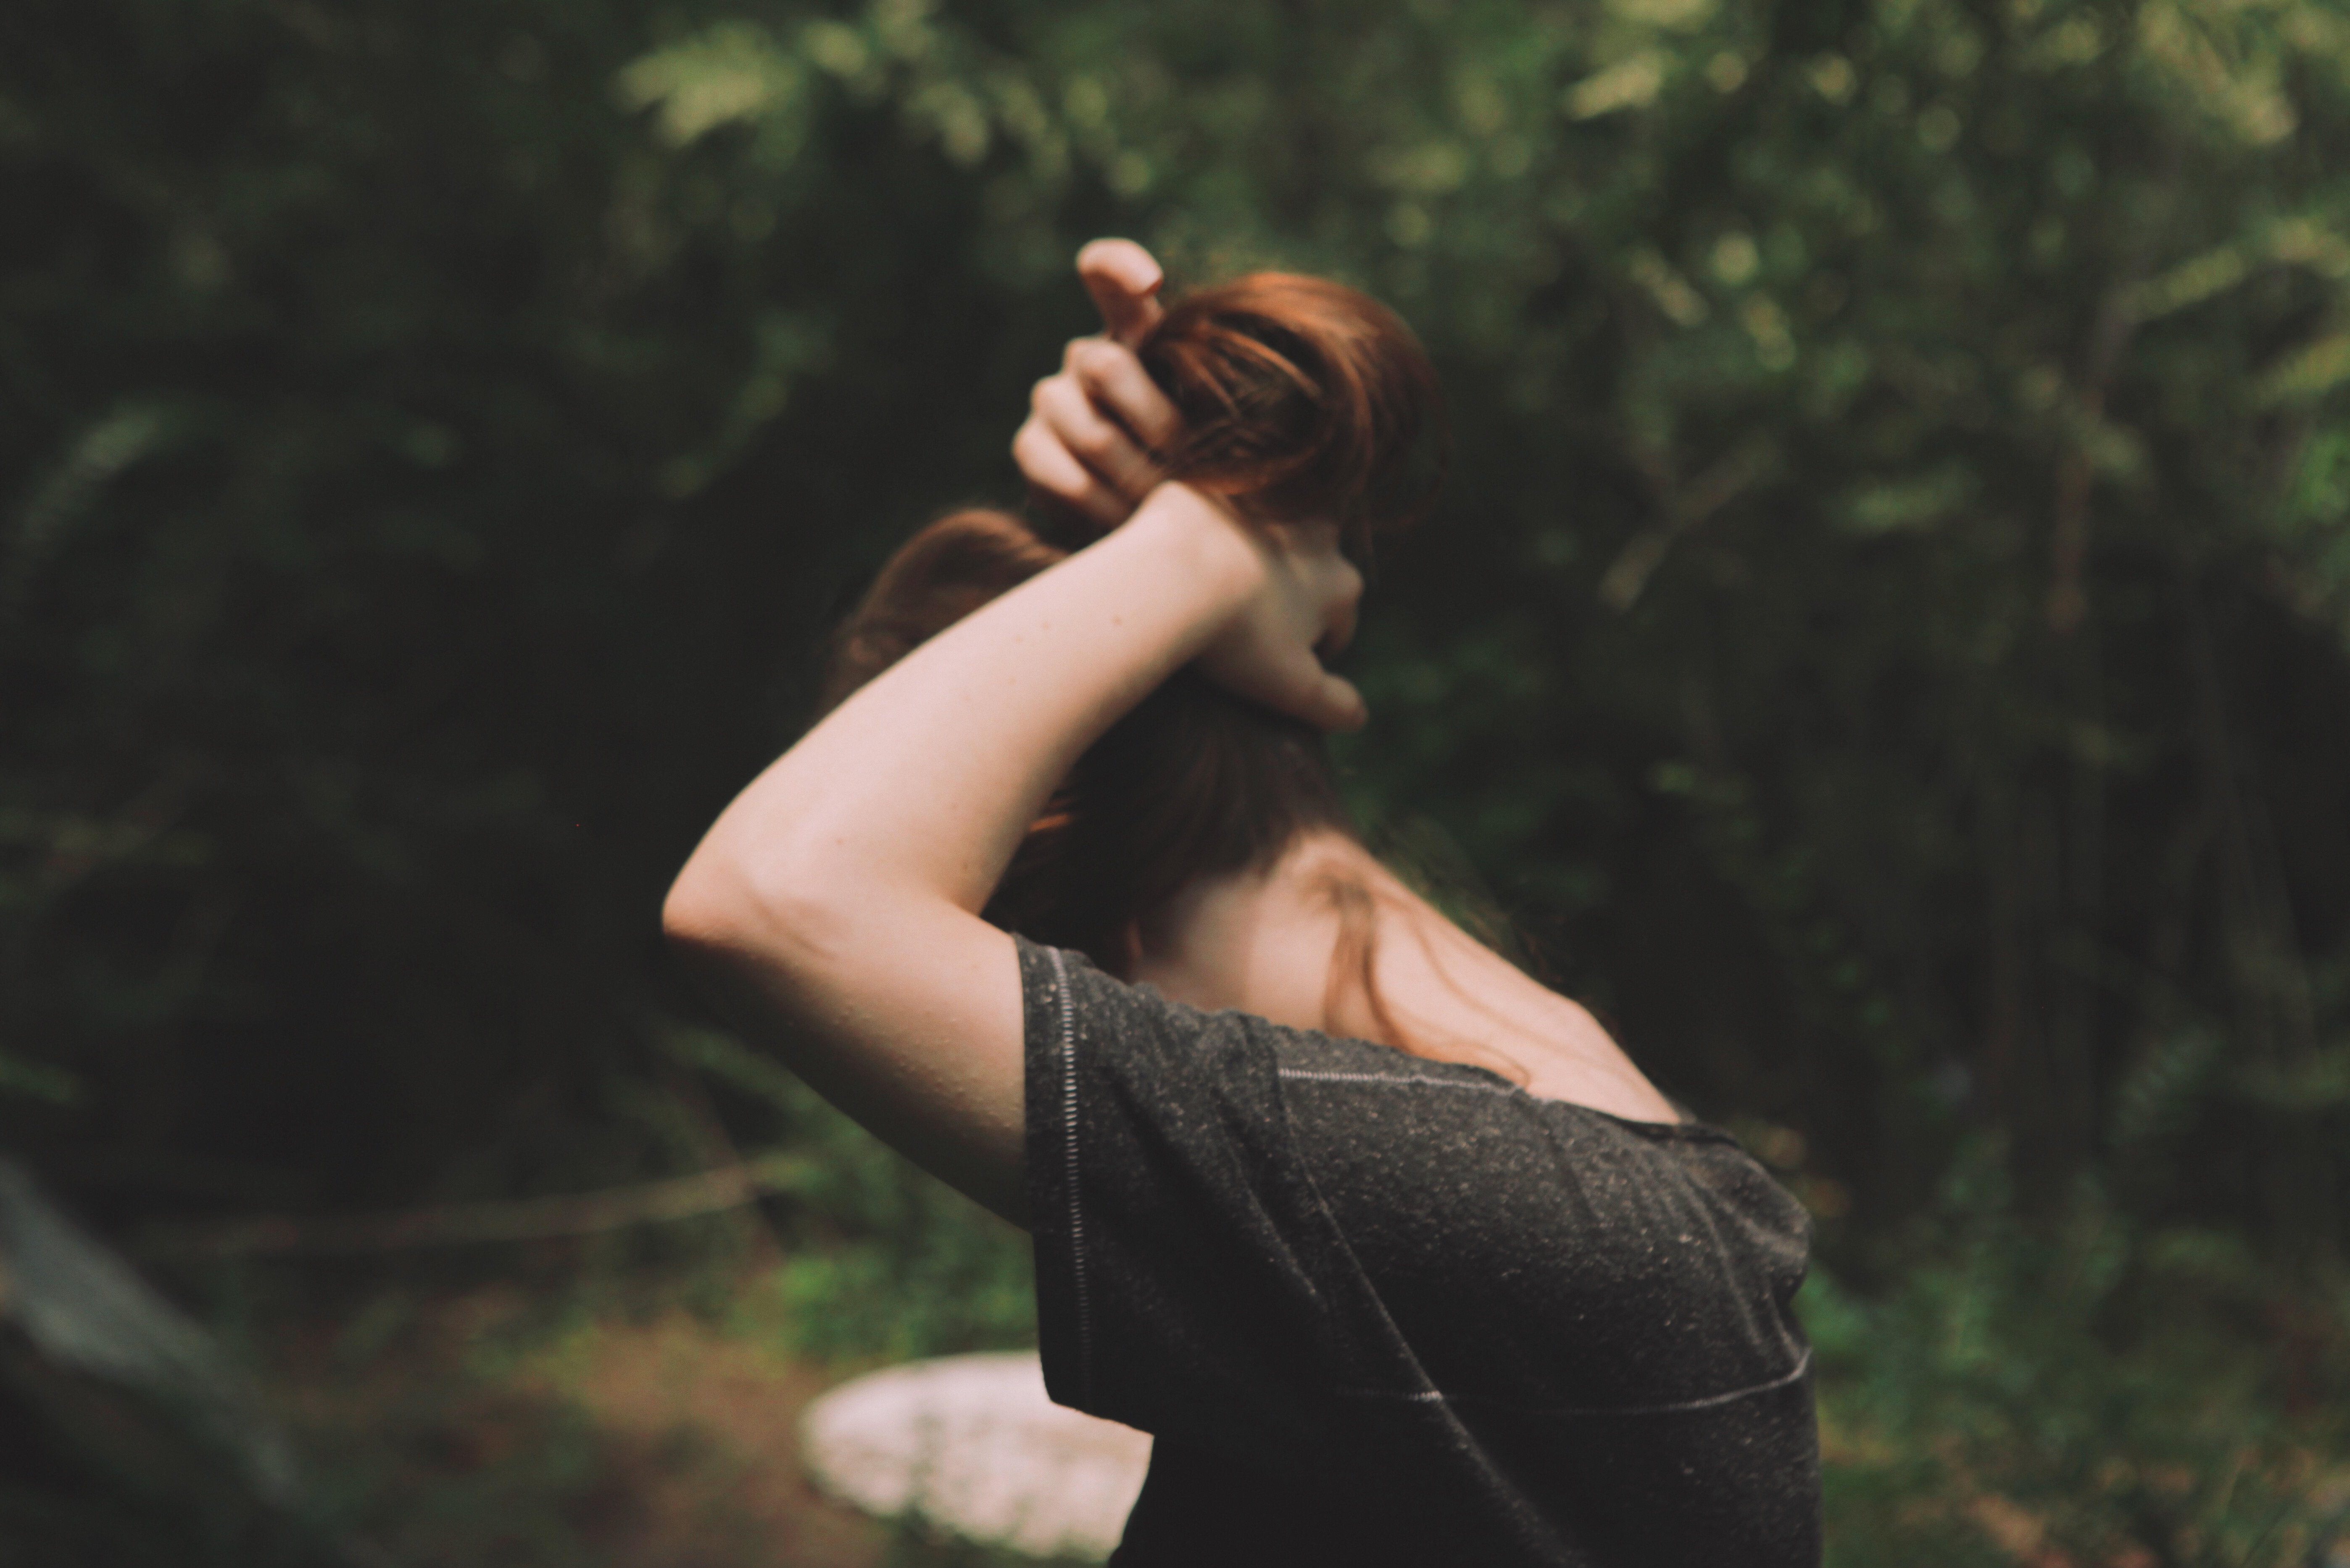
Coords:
pixel 921 785
pixel 833 910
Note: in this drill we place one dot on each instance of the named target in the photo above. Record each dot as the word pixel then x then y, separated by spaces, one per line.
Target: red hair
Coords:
pixel 1301 398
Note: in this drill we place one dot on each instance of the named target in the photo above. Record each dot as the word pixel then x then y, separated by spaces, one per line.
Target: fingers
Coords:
pixel 1049 467
pixel 1123 278
pixel 1079 444
pixel 1116 379
pixel 1286 678
pixel 1325 700
pixel 1094 439
pixel 1302 612
pixel 1337 705
pixel 1329 701
pixel 1344 597
pixel 1329 586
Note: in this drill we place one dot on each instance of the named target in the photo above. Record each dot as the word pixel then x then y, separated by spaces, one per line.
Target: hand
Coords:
pixel 1094 428
pixel 1301 609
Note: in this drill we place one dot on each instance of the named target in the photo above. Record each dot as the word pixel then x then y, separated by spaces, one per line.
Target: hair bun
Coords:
pixel 1304 397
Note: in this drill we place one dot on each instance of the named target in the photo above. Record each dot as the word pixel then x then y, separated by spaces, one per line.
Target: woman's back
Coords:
pixel 1382 1309
pixel 1329 938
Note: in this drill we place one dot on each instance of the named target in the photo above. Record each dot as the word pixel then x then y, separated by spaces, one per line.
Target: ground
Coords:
pixel 481 1428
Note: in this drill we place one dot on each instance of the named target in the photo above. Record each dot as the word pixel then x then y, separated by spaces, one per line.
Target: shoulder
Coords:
pixel 1543 1253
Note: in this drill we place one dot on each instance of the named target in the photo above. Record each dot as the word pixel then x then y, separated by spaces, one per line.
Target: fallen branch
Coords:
pixel 513 1220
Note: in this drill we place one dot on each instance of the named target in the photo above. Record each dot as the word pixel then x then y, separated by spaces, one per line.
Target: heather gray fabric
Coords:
pixel 1382 1310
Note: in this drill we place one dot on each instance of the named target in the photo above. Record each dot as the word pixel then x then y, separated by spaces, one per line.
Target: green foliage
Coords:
pixel 1886 643
pixel 888 1263
pixel 2082 1389
pixel 1895 566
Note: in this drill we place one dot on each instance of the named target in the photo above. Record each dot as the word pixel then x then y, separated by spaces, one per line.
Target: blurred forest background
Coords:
pixel 1885 644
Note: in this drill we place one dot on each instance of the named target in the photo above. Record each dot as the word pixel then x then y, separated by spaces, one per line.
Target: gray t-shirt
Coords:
pixel 1382 1310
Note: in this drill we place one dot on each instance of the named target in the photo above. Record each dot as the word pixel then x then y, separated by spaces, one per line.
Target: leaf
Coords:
pixel 732 72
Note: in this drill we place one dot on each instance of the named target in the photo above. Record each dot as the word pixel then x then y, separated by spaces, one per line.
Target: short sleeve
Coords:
pixel 1406 1297
pixel 1180 1243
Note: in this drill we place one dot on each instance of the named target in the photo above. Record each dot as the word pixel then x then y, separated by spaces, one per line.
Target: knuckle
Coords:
pixel 1095 358
pixel 1043 466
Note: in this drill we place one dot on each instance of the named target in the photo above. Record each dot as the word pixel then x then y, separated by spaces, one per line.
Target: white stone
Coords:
pixel 971 1445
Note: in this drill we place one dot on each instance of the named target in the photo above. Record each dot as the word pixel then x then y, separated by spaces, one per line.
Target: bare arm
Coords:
pixel 833 909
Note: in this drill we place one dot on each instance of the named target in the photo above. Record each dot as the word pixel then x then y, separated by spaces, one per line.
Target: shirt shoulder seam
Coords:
pixel 1404 1080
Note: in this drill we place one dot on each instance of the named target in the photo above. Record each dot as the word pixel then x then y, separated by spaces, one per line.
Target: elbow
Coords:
pixel 776 923
pixel 700 911
pixel 703 924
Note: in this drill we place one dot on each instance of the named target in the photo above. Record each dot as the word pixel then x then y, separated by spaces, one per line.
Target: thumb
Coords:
pixel 1333 703
pixel 1124 280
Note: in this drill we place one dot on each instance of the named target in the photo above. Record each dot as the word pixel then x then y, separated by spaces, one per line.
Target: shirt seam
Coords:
pixel 1437 1396
pixel 1671 1132
pixel 1070 1163
pixel 1402 1078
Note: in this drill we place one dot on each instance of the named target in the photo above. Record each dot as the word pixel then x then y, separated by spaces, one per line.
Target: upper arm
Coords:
pixel 907 1017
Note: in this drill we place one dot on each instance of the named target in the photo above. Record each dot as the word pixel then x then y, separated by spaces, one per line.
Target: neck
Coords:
pixel 1329 939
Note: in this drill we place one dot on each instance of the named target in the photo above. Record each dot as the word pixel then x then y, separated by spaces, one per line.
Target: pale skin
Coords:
pixel 833 909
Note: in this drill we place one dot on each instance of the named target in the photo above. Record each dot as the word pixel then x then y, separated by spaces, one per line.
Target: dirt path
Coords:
pixel 658 1443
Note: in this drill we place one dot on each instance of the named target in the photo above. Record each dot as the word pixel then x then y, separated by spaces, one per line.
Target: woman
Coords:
pixel 1394 1250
